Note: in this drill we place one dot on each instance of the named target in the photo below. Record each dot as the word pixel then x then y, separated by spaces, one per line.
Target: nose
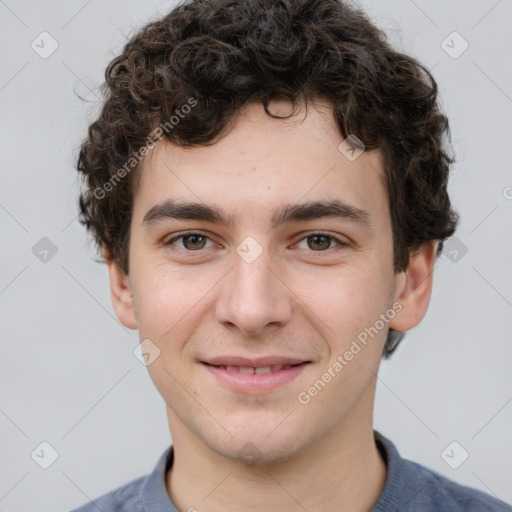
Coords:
pixel 254 297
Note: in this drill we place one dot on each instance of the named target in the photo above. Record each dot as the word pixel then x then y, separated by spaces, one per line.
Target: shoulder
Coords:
pixel 127 498
pixel 412 487
pixel 144 494
pixel 433 491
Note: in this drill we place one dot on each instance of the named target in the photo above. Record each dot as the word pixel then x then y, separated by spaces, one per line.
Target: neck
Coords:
pixel 349 477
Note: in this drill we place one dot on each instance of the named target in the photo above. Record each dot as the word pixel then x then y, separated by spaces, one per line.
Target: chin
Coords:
pixel 259 442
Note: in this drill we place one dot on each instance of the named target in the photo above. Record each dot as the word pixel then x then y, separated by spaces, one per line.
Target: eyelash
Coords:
pixel 169 243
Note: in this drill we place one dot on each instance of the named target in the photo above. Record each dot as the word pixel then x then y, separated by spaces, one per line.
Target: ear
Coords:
pixel 120 291
pixel 414 287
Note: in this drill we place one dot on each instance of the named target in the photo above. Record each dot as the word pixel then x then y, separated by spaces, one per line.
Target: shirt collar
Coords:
pixel 154 491
pixel 389 498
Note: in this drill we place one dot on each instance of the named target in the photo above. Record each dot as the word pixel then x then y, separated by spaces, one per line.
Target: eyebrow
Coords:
pixel 286 213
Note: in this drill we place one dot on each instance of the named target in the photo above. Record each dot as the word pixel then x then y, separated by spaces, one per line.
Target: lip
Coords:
pixel 258 362
pixel 254 384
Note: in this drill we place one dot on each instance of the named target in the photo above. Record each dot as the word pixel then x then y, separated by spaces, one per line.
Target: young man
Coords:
pixel 268 183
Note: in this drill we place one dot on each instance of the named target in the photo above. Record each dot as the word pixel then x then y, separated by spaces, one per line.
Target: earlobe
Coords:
pixel 414 287
pixel 120 292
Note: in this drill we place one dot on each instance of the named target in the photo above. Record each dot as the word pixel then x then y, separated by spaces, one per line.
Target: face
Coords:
pixel 276 285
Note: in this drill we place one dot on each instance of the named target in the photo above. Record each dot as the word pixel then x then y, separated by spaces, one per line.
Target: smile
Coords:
pixel 251 380
pixel 250 369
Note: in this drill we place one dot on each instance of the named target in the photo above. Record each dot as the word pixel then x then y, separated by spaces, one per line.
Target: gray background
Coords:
pixel 68 373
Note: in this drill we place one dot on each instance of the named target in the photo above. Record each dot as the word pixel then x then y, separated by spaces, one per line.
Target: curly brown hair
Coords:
pixel 215 56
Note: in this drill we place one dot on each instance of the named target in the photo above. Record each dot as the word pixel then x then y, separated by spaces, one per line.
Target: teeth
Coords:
pixel 251 370
pixel 262 370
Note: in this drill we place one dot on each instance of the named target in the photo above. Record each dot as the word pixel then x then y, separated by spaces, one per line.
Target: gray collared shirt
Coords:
pixel 410 487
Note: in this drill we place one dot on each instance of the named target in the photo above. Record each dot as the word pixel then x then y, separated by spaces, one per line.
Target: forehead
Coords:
pixel 262 162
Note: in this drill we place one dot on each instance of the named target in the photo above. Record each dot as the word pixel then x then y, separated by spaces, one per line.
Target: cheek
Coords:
pixel 163 296
pixel 170 305
pixel 347 297
pixel 347 306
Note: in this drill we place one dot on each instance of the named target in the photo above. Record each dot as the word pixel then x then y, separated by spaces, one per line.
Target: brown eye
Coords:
pixel 321 242
pixel 190 241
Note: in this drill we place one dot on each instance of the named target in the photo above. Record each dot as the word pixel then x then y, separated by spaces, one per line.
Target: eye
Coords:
pixel 321 242
pixel 192 241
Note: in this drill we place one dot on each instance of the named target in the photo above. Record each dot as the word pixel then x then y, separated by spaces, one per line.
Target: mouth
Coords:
pixel 254 376
pixel 254 370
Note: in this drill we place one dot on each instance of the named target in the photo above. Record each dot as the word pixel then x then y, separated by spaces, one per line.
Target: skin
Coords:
pixel 297 298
